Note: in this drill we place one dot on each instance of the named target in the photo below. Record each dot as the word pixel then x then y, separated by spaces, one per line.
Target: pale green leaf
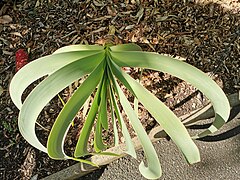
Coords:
pixel 105 153
pixel 39 68
pixel 153 170
pixel 46 90
pixel 129 145
pixel 183 71
pixel 64 119
pixel 79 47
pixel 126 47
pixel 165 117
pixel 103 105
pixel 101 119
pixel 81 147
pixel 98 141
pixel 114 123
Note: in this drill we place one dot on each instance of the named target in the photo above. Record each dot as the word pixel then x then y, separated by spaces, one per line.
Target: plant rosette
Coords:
pixel 103 65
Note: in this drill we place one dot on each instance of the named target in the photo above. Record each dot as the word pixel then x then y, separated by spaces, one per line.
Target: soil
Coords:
pixel 205 33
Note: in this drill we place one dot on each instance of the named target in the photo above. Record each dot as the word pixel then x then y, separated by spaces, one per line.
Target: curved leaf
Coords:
pixel 59 130
pixel 39 68
pixel 114 121
pixel 103 104
pixel 46 90
pixel 79 47
pixel 165 117
pixel 126 47
pixel 129 144
pixel 153 170
pixel 98 141
pixel 183 71
pixel 81 147
pixel 102 119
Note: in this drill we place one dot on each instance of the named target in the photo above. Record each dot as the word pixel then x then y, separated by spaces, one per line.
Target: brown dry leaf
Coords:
pixel 7 52
pixel 99 4
pixel 16 34
pixel 76 40
pixel 5 19
pixel 13 26
pixel 101 41
pixel 129 27
pixel 37 4
pixel 4 9
pixel 161 18
pixel 111 11
pixel 1 90
pixel 99 30
pixel 140 14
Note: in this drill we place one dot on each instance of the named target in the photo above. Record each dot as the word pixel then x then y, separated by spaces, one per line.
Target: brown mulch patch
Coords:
pixel 206 33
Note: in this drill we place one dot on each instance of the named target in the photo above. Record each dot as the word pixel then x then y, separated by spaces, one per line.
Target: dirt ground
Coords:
pixel 206 33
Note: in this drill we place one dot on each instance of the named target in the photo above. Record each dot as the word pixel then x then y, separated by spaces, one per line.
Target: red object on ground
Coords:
pixel 21 59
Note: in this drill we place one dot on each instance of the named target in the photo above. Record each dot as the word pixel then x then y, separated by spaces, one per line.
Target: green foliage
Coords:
pixel 103 67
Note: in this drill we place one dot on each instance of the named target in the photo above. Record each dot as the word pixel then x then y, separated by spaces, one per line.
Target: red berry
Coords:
pixel 21 59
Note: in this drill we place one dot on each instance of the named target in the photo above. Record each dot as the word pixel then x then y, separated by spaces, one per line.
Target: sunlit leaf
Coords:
pixel 64 119
pixel 41 67
pixel 183 71
pixel 46 90
pixel 153 170
pixel 165 117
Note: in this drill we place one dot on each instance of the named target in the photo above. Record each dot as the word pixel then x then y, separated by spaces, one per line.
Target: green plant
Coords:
pixel 103 64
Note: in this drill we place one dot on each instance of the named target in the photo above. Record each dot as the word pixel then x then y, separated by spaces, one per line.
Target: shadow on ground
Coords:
pixel 222 136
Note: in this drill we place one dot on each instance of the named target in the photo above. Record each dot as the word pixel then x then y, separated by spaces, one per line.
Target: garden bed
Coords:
pixel 206 35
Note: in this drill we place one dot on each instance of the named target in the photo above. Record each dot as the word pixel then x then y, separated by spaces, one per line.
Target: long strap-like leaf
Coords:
pixel 79 47
pixel 81 147
pixel 183 71
pixel 64 119
pixel 153 170
pixel 102 119
pixel 41 67
pixel 129 144
pixel 126 47
pixel 165 117
pixel 46 90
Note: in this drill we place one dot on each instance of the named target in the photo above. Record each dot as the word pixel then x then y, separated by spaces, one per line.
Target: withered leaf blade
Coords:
pixel 5 19
pixel 1 90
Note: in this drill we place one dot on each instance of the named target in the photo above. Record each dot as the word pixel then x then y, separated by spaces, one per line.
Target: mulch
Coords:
pixel 205 33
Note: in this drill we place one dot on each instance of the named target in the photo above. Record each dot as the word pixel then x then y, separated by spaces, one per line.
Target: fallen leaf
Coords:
pixel 161 18
pixel 1 61
pixel 1 90
pixel 13 26
pixel 4 9
pixel 37 4
pixel 5 19
pixel 140 14
pixel 129 27
pixel 96 3
pixel 7 52
pixel 16 34
pixel 99 30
